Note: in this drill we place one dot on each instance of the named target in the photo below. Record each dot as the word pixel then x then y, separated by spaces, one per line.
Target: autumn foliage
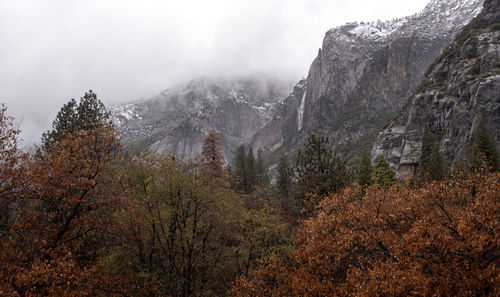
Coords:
pixel 212 155
pixel 79 217
pixel 438 240
pixel 58 211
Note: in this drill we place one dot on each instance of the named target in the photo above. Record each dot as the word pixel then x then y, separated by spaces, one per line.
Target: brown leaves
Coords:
pixel 61 209
pixel 440 240
pixel 212 156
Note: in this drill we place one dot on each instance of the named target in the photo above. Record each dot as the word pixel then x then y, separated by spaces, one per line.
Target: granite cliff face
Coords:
pixel 361 77
pixel 459 89
pixel 178 119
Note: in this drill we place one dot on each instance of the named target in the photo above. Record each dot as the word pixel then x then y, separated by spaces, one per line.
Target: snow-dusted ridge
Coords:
pixel 363 73
pixel 444 14
pixel 178 118
pixel 122 113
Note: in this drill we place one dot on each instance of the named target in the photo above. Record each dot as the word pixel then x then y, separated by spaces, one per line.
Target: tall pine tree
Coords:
pixel 284 178
pixel 425 158
pixel 92 113
pixel 242 176
pixel 212 155
pixel 251 174
pixel 261 175
pixel 319 169
pixel 438 169
pixel 365 170
pixel 383 174
pixel 432 165
pixel 89 114
pixel 484 148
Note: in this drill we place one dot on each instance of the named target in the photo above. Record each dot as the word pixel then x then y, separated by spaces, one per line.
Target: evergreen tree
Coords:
pixel 383 174
pixel 232 183
pixel 92 113
pixel 262 177
pixel 484 148
pixel 431 165
pixel 284 179
pixel 89 114
pixel 437 168
pixel 319 169
pixel 251 173
pixel 212 156
pixel 365 170
pixel 66 121
pixel 239 177
pixel 247 171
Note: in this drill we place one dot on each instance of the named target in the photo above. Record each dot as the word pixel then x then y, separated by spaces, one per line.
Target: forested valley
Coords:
pixel 79 216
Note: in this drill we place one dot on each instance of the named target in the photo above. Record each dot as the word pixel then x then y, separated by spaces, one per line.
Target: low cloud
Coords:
pixel 54 50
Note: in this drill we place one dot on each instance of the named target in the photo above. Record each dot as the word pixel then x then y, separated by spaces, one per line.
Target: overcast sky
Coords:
pixel 54 50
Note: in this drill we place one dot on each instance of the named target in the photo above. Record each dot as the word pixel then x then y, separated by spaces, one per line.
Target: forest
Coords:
pixel 81 216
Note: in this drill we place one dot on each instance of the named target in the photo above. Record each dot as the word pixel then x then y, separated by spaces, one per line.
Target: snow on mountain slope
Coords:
pixel 178 119
pixel 446 16
pixel 460 89
pixel 360 78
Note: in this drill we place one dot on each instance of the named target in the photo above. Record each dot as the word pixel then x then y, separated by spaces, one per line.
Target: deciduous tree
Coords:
pixel 197 236
pixel 63 214
pixel 12 177
pixel 439 240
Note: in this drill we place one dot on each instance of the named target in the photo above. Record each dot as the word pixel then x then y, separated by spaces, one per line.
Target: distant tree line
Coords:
pixel 248 172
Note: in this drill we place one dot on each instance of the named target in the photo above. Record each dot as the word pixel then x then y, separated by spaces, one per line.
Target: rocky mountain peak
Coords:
pixel 178 119
pixel 444 15
pixel 461 88
pixel 361 77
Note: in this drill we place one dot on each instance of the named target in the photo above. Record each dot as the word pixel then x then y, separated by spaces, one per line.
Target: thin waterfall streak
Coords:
pixel 300 111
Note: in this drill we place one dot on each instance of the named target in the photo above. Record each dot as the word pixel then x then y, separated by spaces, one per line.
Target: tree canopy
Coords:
pixel 431 165
pixel 383 174
pixel 212 155
pixel 365 170
pixel 320 170
pixel 87 114
pixel 485 148
pixel 439 240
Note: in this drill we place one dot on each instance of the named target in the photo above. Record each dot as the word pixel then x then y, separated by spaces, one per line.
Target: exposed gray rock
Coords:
pixel 460 88
pixel 490 11
pixel 178 119
pixel 362 76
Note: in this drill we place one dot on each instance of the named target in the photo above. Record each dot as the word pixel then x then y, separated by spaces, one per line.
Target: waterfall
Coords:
pixel 300 111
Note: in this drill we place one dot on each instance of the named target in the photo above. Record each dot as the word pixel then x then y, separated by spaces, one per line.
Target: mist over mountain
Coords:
pixel 362 75
pixel 55 50
pixel 178 119
pixel 377 174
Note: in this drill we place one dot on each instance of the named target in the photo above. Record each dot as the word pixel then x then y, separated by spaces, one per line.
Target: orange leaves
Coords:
pixel 440 240
pixel 64 217
pixel 212 156
pixel 11 159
